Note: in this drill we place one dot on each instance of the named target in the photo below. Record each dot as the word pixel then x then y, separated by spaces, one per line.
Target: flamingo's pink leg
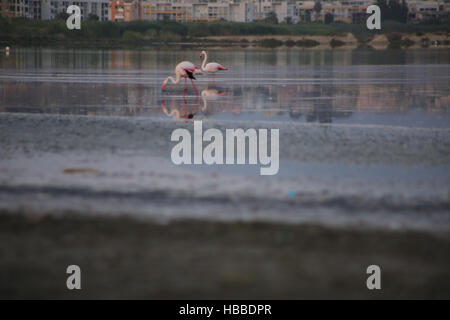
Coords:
pixel 195 88
pixel 185 85
pixel 185 107
pixel 213 79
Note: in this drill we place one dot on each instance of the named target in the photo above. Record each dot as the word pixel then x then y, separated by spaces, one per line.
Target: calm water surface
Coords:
pixel 400 88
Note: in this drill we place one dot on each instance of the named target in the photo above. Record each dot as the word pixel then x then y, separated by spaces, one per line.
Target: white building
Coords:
pixel 430 10
pixel 189 10
pixel 32 9
pixel 243 11
pixel 51 8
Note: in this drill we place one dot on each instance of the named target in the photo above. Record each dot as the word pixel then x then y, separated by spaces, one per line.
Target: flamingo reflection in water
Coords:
pixel 188 113
pixel 211 103
pixel 210 95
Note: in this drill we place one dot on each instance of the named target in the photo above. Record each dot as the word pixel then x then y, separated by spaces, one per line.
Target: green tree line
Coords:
pixel 36 31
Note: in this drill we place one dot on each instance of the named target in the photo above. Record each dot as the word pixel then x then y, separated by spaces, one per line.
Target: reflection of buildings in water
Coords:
pixel 86 99
pixel 442 103
pixel 134 99
pixel 320 104
pixel 402 98
pixel 80 60
pixel 317 102
pixel 135 60
pixel 261 95
pixel 296 100
pixel 121 59
pixel 381 98
pixel 322 112
pixel 116 59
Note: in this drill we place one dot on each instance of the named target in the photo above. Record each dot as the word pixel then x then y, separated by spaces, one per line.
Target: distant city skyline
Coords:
pixel 286 11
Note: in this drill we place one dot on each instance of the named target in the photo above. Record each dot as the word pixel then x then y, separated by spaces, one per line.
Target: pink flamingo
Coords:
pixel 184 70
pixel 211 67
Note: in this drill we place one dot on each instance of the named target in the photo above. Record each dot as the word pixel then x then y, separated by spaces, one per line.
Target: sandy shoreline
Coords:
pixel 337 41
pixel 126 258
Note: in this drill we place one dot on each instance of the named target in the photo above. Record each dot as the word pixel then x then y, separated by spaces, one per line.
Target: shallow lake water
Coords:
pixel 364 135
pixel 391 87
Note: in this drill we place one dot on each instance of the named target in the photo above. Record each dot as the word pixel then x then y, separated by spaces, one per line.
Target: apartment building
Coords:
pixel 51 8
pixel 197 10
pixel 428 10
pixel 123 10
pixel 32 9
pixel 303 11
pixel 346 11
pixel 165 10
pixel 242 11
pixel 12 8
pixel 21 8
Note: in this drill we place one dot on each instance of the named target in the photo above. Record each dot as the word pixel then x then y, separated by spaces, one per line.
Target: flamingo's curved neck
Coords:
pixel 204 61
pixel 175 81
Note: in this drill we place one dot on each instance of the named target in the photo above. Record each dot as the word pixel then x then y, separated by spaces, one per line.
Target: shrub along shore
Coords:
pixel 142 33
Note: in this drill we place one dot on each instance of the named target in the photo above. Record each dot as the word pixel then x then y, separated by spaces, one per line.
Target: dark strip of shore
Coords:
pixel 122 257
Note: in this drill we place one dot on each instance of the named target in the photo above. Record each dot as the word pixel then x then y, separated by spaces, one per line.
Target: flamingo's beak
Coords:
pixel 163 87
